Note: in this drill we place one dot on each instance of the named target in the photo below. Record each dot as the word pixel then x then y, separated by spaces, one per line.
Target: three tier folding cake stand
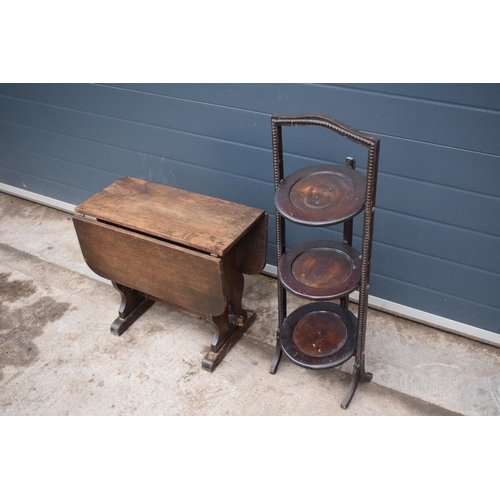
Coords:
pixel 323 334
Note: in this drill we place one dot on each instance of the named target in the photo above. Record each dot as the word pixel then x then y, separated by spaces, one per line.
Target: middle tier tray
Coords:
pixel 321 195
pixel 321 270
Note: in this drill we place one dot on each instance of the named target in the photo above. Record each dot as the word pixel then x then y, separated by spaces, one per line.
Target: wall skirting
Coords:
pixel 38 198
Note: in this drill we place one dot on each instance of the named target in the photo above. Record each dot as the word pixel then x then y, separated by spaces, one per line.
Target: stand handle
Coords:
pixel 328 122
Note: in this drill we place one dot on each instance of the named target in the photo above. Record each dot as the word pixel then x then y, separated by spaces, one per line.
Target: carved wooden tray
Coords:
pixel 321 195
pixel 321 270
pixel 319 335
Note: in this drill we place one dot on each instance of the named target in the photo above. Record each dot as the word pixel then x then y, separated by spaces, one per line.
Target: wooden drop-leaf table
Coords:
pixel 190 251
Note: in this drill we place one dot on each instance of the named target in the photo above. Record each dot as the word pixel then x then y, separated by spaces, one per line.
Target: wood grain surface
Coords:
pixel 197 221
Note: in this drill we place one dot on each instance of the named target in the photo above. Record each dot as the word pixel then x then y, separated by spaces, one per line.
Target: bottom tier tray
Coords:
pixel 319 335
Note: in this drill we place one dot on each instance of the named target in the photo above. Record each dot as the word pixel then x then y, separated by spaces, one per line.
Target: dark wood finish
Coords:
pixel 321 195
pixel 311 197
pixel 278 166
pixel 133 244
pixel 196 221
pixel 348 228
pixel 321 270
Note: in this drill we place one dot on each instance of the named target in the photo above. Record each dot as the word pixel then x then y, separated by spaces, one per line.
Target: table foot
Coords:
pixel 212 359
pixel 133 305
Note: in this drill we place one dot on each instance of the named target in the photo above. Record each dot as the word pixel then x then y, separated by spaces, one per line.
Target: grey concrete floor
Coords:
pixel 57 356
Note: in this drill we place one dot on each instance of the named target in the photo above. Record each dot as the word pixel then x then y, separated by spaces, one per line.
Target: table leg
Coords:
pixel 235 320
pixel 133 305
pixel 231 333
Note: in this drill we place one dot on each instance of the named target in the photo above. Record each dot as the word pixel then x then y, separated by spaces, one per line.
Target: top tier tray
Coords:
pixel 321 195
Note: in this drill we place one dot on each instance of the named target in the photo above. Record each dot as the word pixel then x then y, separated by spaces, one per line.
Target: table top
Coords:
pixel 197 221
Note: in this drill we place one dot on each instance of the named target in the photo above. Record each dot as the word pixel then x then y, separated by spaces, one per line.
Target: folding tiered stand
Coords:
pixel 323 334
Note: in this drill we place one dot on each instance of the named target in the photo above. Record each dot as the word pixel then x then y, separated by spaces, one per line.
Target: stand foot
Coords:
pixel 357 375
pixel 212 359
pixel 276 359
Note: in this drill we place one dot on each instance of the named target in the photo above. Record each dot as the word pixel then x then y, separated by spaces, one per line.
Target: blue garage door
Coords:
pixel 437 225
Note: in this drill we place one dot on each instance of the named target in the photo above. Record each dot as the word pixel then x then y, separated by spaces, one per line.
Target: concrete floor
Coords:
pixel 57 356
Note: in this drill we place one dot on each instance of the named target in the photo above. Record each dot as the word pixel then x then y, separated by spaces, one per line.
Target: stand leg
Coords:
pixel 281 318
pixel 348 227
pixel 358 374
pixel 133 305
pixel 277 356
